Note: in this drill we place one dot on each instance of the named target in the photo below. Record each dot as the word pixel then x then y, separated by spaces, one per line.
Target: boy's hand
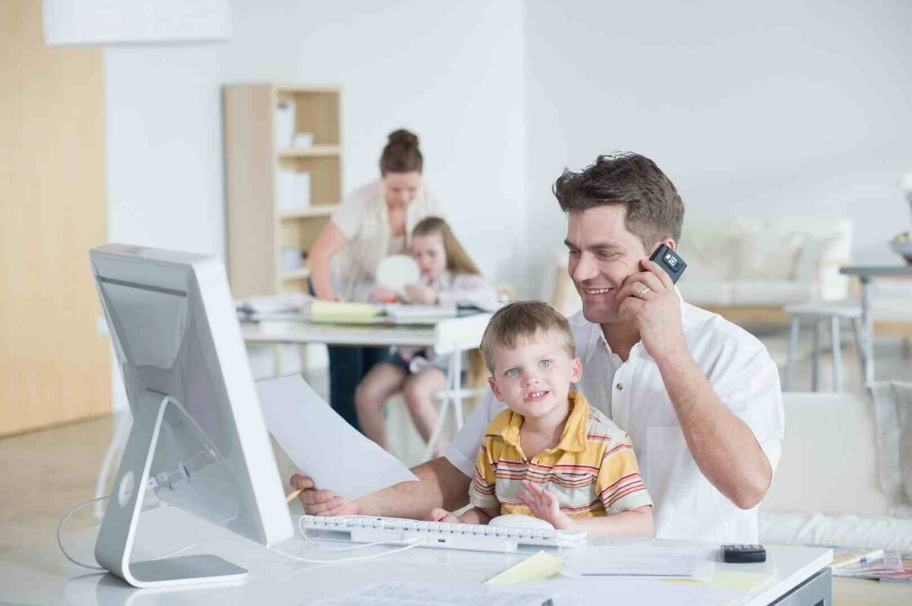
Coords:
pixel 441 515
pixel 420 294
pixel 544 505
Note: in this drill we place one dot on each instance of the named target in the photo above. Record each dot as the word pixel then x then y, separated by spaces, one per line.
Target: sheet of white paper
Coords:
pixel 419 594
pixel 322 445
pixel 651 561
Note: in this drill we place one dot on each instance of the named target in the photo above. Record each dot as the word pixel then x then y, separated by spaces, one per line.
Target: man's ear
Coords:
pixel 576 370
pixel 493 385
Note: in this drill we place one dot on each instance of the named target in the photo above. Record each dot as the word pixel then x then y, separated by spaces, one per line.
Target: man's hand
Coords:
pixel 321 502
pixel 544 505
pixel 650 297
pixel 441 515
pixel 420 294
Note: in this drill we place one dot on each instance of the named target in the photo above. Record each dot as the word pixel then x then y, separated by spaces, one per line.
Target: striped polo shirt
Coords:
pixel 592 471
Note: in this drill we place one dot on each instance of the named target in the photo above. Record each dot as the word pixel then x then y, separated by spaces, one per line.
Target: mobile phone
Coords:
pixel 743 554
pixel 670 261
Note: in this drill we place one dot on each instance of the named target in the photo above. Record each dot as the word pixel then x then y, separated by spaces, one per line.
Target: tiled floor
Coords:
pixel 44 474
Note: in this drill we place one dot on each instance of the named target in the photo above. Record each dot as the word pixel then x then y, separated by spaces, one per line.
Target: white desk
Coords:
pixel 41 575
pixel 448 337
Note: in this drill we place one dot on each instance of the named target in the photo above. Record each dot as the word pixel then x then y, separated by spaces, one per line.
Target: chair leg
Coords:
pixel 837 353
pixel 815 356
pixel 859 345
pixel 790 356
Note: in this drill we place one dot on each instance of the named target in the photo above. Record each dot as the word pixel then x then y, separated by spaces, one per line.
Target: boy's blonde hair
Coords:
pixel 524 320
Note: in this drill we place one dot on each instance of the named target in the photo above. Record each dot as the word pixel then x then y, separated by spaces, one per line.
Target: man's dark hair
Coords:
pixel 654 208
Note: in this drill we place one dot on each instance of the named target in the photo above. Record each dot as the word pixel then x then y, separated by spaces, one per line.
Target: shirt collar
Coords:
pixel 575 435
pixel 596 335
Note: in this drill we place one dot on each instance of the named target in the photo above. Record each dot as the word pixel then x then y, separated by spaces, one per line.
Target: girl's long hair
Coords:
pixel 458 260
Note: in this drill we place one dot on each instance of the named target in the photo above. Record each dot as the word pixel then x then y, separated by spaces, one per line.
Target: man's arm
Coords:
pixel 723 446
pixel 440 485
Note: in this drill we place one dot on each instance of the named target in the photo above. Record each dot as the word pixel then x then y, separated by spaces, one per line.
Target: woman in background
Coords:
pixel 448 277
pixel 370 223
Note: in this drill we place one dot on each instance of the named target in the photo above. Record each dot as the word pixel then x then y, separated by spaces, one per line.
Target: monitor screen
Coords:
pixel 175 333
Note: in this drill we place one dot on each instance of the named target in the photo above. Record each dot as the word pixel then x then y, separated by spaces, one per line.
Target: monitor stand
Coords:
pixel 118 528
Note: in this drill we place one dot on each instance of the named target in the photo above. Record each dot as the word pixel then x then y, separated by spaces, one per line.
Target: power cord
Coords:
pixel 60 527
pixel 411 544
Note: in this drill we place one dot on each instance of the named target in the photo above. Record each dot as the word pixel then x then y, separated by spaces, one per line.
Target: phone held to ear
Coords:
pixel 670 261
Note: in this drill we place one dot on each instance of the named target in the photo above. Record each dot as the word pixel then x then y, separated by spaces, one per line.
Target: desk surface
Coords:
pixel 464 332
pixel 866 271
pixel 41 575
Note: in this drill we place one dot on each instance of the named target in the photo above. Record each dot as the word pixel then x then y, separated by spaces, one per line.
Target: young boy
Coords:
pixel 549 454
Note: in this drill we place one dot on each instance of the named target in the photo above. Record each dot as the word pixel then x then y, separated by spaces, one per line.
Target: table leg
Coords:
pixel 450 395
pixel 867 328
pixel 457 388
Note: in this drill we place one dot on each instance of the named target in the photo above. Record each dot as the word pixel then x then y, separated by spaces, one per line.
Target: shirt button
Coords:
pixel 620 386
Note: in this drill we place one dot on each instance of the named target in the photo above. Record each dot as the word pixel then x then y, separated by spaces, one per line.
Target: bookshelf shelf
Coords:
pixel 322 210
pixel 311 152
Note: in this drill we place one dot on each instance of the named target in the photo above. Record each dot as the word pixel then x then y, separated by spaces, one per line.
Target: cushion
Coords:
pixel 767 249
pixel 893 415
pixel 816 467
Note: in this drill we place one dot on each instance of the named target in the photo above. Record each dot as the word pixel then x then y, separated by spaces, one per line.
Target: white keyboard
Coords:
pixel 439 535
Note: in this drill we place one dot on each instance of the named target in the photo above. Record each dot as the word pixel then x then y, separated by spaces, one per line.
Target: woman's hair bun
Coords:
pixel 403 137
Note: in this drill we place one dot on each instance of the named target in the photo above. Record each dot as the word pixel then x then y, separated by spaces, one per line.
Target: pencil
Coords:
pixel 293 495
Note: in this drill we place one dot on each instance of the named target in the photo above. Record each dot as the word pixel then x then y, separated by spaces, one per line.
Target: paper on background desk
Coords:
pixel 322 445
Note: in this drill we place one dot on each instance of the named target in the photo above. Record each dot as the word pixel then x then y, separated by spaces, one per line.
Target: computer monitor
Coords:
pixel 198 438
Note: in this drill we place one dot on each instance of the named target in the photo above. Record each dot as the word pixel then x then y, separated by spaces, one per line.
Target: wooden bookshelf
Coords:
pixel 258 228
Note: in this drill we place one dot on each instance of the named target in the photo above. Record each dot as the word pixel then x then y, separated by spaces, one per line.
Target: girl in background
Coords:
pixel 448 277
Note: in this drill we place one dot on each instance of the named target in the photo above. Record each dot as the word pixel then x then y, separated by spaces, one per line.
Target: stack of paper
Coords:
pixel 420 314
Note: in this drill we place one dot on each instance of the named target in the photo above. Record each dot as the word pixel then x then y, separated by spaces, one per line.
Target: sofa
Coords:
pixel 747 268
pixel 838 481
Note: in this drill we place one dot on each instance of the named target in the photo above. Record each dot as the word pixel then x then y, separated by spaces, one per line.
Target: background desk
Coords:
pixel 451 337
pixel 865 274
pixel 41 575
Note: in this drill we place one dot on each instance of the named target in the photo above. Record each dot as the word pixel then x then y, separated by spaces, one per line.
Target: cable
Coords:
pixel 409 545
pixel 60 541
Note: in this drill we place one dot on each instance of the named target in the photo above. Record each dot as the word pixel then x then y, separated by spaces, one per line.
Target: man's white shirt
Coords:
pixel 633 395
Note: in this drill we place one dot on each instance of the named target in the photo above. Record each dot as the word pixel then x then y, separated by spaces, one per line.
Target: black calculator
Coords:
pixel 743 554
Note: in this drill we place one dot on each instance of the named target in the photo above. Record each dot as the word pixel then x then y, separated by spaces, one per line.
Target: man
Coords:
pixel 699 397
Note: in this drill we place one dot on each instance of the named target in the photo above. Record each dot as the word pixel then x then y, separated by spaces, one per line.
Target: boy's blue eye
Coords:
pixel 545 363
pixel 512 372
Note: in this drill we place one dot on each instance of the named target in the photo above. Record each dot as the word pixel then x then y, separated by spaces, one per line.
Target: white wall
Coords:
pixel 758 109
pixel 447 71
pixel 450 72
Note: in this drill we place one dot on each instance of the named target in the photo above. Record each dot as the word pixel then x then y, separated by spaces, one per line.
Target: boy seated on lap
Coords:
pixel 549 454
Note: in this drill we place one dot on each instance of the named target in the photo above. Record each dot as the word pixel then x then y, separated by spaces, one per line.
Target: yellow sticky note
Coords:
pixel 539 567
pixel 738 581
